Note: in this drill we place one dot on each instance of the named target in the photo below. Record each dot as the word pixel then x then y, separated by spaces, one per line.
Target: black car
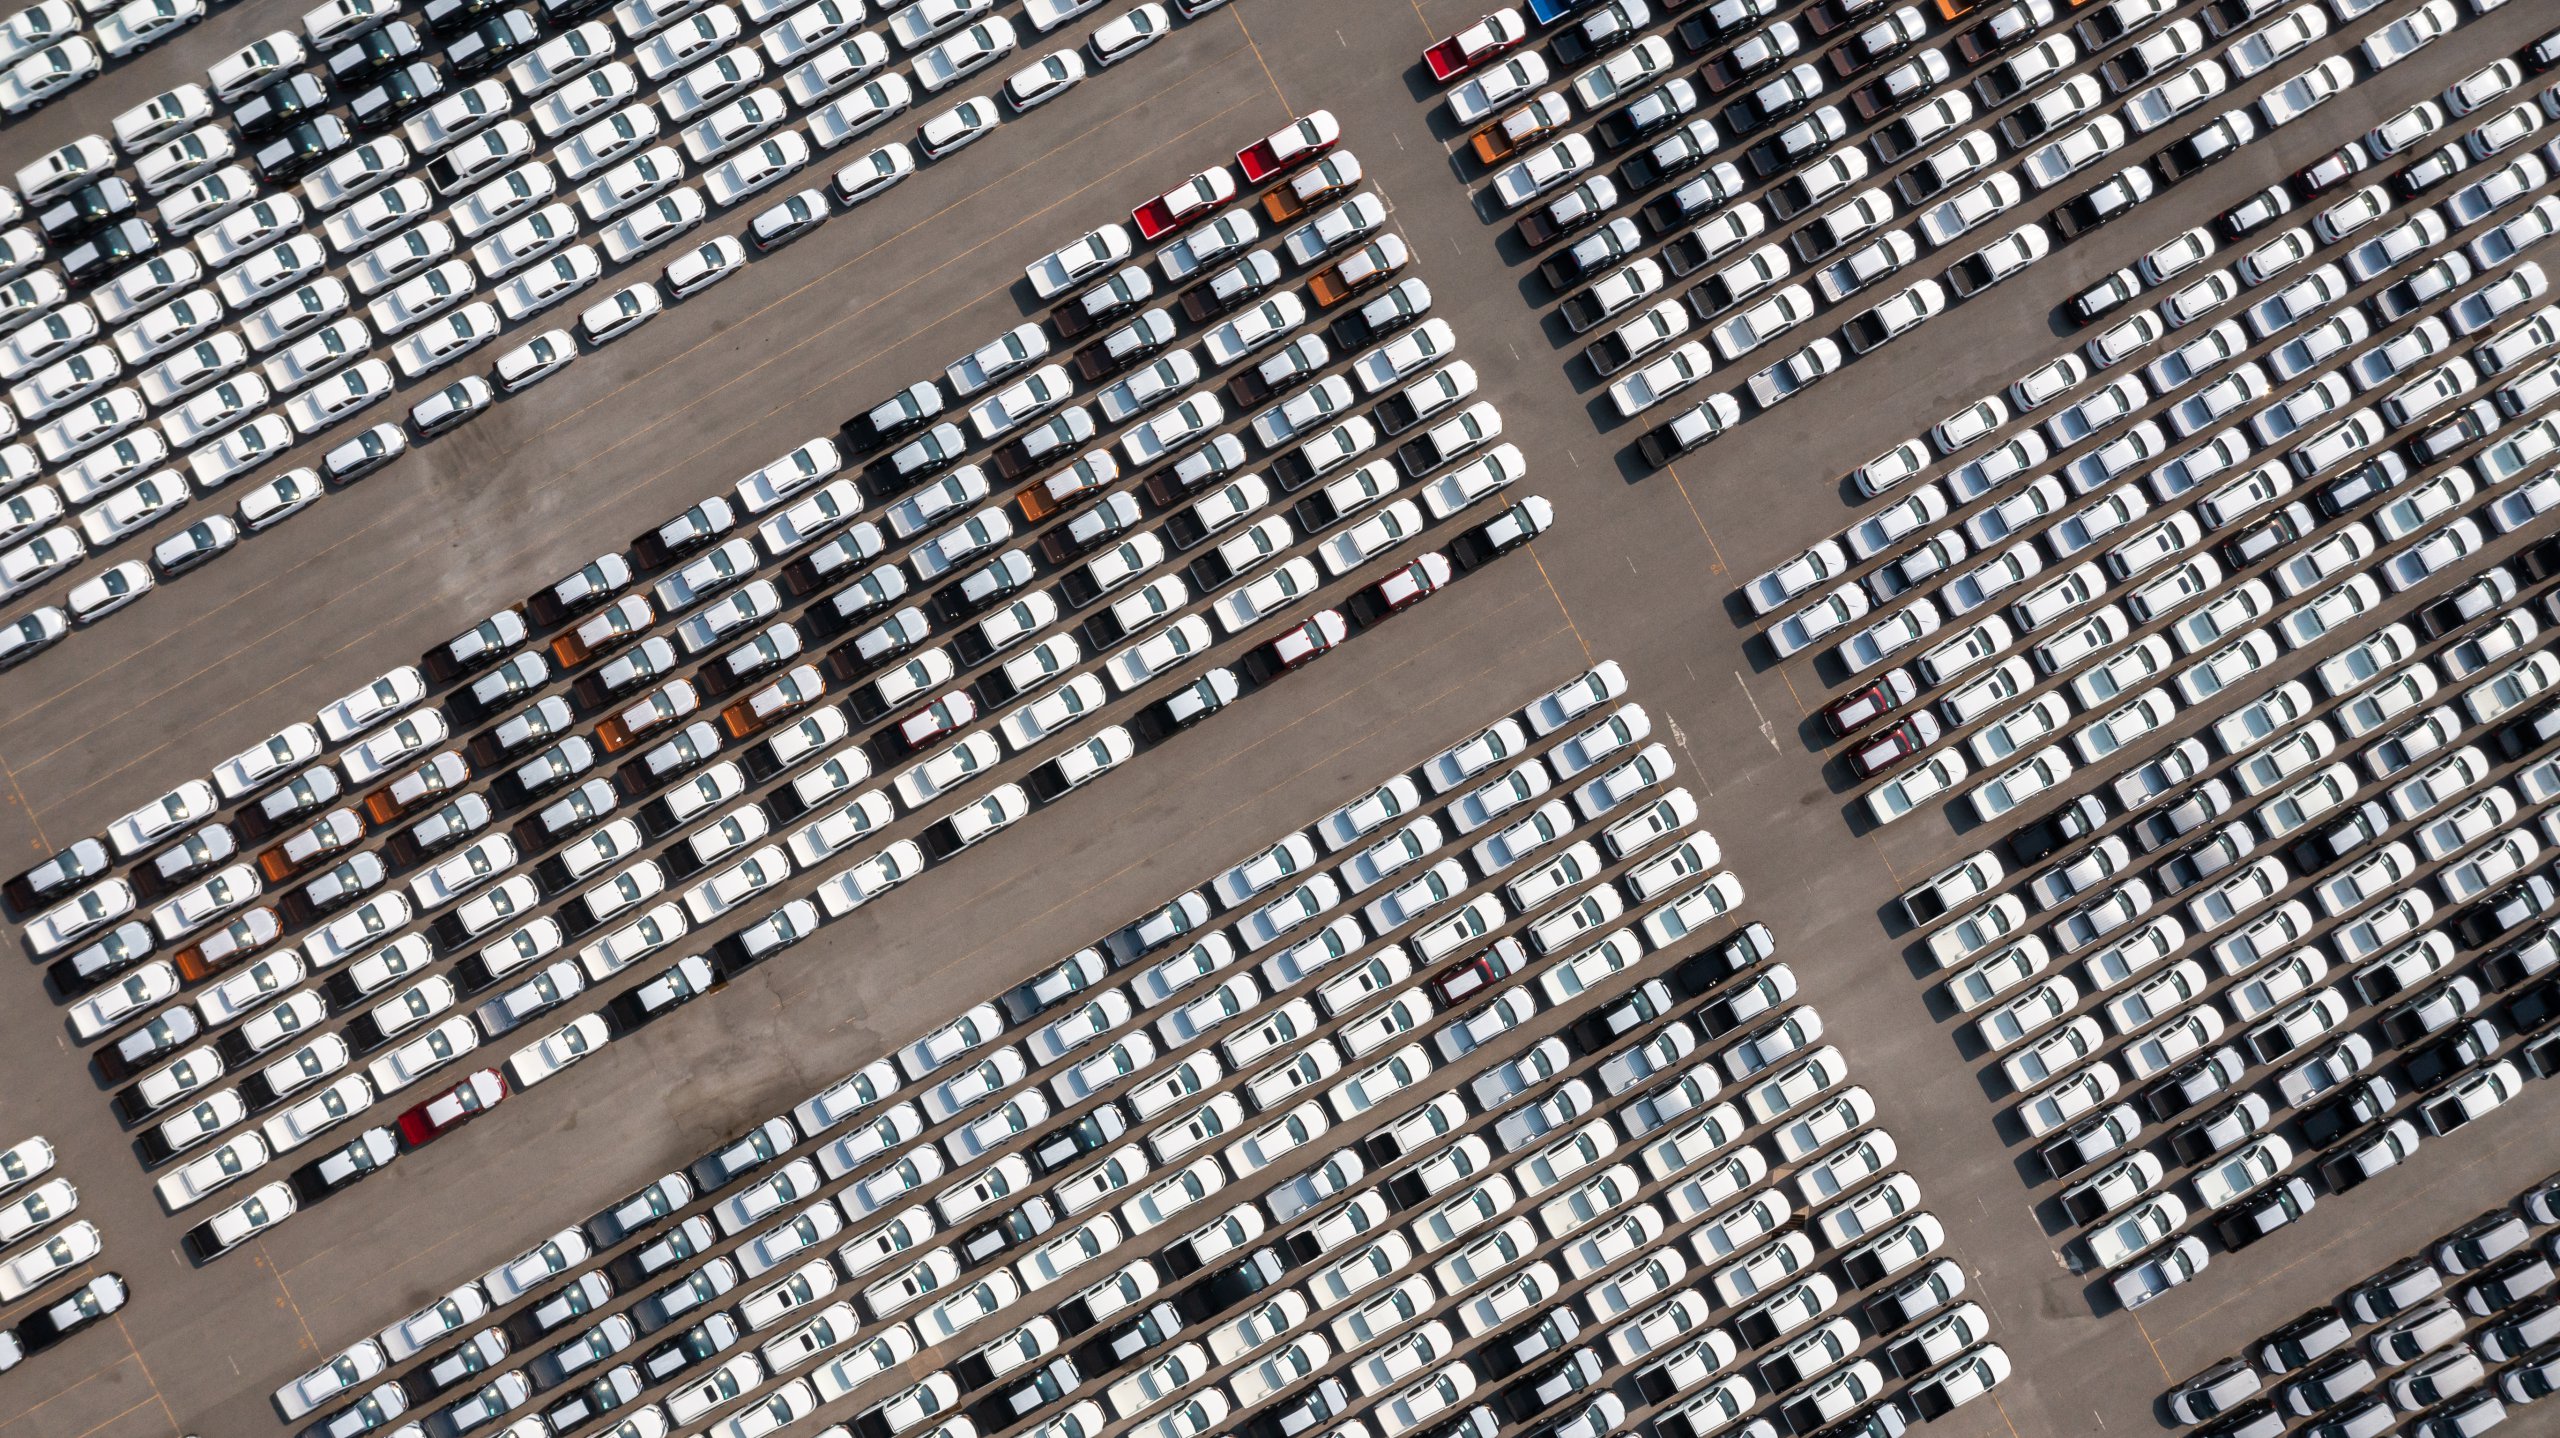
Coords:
pixel 2254 213
pixel 2220 1130
pixel 1187 706
pixel 90 1303
pixel 2109 200
pixel 109 955
pixel 165 1034
pixel 594 1399
pixel 112 248
pixel 1680 434
pixel 571 1300
pixel 397 96
pixel 2489 592
pixel 894 416
pixel 1703 971
pixel 2351 1108
pixel 375 51
pixel 2111 293
pixel 1892 34
pixel 2207 144
pixel 1650 1001
pixel 2535 1009
pixel 2331 170
pixel 1591 254
pixel 1181 1258
pixel 2460 430
pixel 2508 1282
pixel 1540 1337
pixel 1789 150
pixel 2194 1083
pixel 2000 30
pixel 1056 986
pixel 2073 821
pixel 680 983
pixel 1102 1126
pixel 1748 114
pixel 1702 194
pixel 492 42
pixel 1518 522
pixel 2444 1060
pixel 2510 906
pixel 452 17
pixel 280 104
pixel 475 1355
pixel 1552 1385
pixel 301 149
pixel 1664 103
pixel 1713 26
pixel 1119 1344
pixel 736 1159
pixel 2342 840
pixel 1301 1415
pixel 81 212
pixel 350 1163
pixel 2268 535
pixel 1895 88
pixel 1054 1381
pixel 1232 1285
pixel 2282 1204
pixel 699 1344
pixel 2429 170
pixel 2540 56
pixel 1014 1229
pixel 2366 482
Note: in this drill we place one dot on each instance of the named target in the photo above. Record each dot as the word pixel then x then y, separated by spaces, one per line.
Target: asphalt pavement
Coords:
pixel 1641 568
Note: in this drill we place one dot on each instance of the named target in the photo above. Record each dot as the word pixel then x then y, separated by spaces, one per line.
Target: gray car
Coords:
pixel 2394 1290
pixel 2161 1270
pixel 2481 1242
pixel 2215 1391
pixel 2327 1384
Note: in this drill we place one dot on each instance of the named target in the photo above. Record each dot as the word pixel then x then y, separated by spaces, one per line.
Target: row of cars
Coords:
pixel 1183 1063
pixel 33 1259
pixel 296 307
pixel 2493 1277
pixel 2221 875
pixel 343 904
pixel 50 48
pixel 2065 124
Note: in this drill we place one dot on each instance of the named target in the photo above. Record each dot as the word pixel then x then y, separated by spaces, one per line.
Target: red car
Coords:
pixel 1859 708
pixel 1462 52
pixel 1895 744
pixel 1307 642
pixel 1468 977
pixel 937 719
pixel 1292 145
pixel 1184 203
pixel 453 1108
pixel 1407 586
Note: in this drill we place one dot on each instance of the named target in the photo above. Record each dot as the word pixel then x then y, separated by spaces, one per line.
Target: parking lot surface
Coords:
pixel 1643 567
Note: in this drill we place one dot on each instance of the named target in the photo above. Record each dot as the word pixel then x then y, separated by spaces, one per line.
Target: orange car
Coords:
pixel 1534 121
pixel 1329 176
pixel 602 630
pixel 235 941
pixel 1360 269
pixel 796 689
pixel 445 769
pixel 310 844
pixel 669 701
pixel 1088 476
